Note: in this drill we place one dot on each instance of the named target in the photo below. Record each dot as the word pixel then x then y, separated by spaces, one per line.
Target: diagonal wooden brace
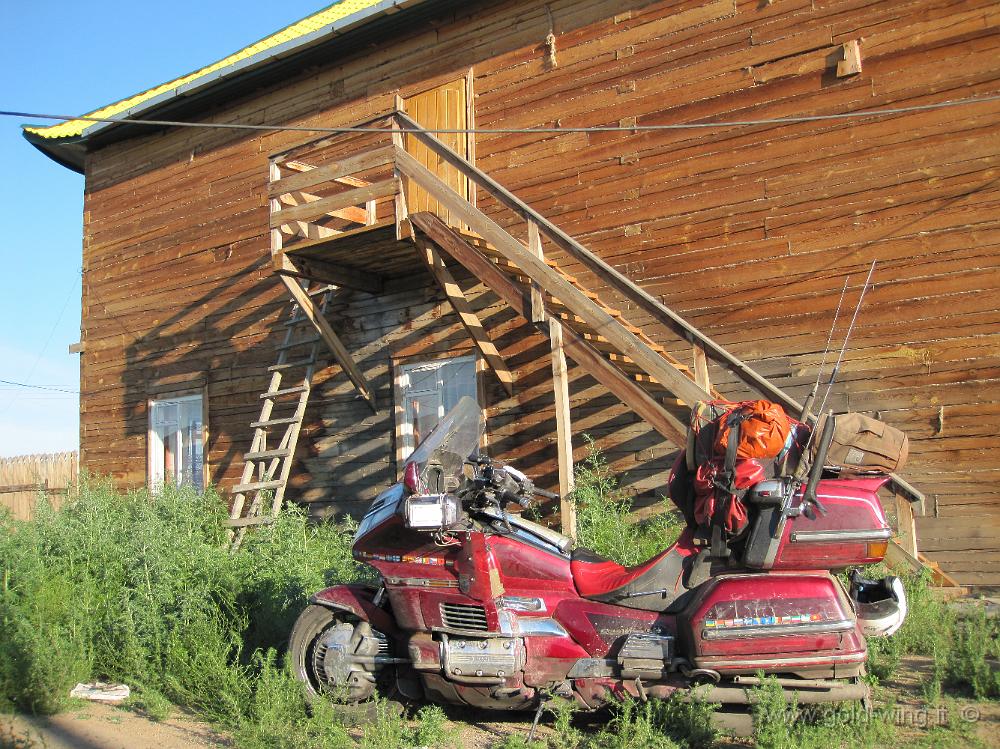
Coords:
pixel 459 303
pixel 308 306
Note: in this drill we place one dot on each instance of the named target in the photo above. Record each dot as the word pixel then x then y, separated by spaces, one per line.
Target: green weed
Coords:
pixel 781 724
pixel 976 640
pixel 141 589
pixel 603 516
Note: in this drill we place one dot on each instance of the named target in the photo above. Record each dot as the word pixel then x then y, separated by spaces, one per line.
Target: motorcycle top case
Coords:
pixel 853 531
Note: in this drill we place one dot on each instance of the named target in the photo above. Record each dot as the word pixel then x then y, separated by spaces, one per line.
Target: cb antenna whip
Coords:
pixel 807 406
pixel 847 337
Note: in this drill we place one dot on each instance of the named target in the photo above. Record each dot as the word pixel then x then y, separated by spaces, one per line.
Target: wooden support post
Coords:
pixel 535 248
pixel 701 368
pixel 403 230
pixel 274 174
pixel 907 528
pixel 308 306
pixel 470 321
pixel 564 434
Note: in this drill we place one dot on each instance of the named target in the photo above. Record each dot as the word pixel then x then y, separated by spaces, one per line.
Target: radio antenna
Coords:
pixel 847 337
pixel 807 406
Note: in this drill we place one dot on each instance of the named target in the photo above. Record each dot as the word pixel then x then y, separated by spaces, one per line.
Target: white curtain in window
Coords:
pixel 176 452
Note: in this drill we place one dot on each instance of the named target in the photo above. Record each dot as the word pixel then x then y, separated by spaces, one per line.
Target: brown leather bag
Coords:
pixel 861 444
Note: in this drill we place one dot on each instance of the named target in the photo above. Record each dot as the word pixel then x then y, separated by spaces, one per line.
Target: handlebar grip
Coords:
pixel 545 494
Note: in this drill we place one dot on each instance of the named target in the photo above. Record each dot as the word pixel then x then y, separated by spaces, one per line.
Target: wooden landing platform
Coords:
pixel 365 251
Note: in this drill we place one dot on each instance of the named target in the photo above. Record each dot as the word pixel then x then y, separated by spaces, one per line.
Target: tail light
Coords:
pixel 411 478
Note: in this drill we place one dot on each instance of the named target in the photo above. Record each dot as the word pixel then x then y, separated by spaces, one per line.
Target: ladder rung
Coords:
pixel 275 422
pixel 266 454
pixel 291 364
pixel 322 289
pixel 244 522
pixel 293 344
pixel 255 486
pixel 284 391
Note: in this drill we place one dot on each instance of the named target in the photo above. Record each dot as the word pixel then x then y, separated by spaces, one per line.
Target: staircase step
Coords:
pixel 291 364
pixel 267 454
pixel 626 362
pixel 275 422
pixel 284 391
pixel 255 486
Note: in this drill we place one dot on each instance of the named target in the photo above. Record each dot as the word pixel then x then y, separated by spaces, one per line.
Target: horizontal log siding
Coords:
pixel 747 231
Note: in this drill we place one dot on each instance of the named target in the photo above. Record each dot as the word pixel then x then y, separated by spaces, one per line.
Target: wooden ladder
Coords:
pixel 266 470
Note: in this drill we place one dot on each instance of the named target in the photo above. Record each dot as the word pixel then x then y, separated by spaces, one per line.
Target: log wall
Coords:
pixel 747 231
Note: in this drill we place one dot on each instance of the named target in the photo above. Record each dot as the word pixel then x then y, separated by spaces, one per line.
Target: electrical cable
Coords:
pixel 37 387
pixel 521 130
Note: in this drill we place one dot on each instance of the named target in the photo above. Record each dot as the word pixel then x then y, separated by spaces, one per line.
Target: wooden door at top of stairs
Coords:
pixel 445 107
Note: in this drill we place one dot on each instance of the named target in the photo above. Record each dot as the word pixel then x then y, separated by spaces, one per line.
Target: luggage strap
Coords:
pixel 725 489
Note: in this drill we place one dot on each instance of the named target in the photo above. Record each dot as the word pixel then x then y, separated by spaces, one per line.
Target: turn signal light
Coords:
pixel 877 549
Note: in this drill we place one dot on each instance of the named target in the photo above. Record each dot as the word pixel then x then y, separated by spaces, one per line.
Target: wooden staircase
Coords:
pixel 258 496
pixel 653 395
pixel 509 258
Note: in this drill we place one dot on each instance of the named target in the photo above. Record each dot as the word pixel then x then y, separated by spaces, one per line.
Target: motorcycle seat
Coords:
pixel 654 585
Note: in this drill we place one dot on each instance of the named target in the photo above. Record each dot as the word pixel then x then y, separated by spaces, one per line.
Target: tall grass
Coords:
pixel 603 516
pixel 142 589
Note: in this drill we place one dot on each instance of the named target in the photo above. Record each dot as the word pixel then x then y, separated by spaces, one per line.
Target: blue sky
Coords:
pixel 69 58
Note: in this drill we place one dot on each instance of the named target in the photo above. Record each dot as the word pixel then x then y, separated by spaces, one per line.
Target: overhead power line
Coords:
pixel 37 387
pixel 514 130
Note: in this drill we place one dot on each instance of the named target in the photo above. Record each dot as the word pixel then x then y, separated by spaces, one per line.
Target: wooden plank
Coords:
pixel 331 172
pixel 354 197
pixel 564 432
pixel 470 321
pixel 333 342
pixel 537 299
pixel 555 284
pixel 614 278
pixel 906 526
pixel 626 390
pixel 701 367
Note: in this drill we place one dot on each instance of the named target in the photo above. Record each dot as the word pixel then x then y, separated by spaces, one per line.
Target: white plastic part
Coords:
pixel 890 621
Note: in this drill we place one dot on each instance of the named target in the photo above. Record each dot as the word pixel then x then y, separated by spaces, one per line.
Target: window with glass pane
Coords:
pixel 176 452
pixel 429 391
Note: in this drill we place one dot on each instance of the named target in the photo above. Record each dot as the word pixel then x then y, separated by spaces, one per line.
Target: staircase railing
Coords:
pixel 538 226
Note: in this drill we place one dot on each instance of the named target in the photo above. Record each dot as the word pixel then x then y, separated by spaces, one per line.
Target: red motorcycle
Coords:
pixel 478 606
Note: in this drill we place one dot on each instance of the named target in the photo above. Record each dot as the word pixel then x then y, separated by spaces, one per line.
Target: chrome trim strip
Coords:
pixel 756 662
pixel 833 537
pixel 777 630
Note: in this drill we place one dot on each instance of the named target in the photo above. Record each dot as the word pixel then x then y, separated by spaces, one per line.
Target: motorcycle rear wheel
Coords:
pixel 317 631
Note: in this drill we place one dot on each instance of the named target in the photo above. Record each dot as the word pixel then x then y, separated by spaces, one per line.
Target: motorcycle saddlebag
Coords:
pixel 862 444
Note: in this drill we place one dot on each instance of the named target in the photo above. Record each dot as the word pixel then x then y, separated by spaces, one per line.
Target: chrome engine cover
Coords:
pixel 481 660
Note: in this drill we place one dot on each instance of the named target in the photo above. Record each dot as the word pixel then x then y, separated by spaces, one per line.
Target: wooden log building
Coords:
pixel 577 281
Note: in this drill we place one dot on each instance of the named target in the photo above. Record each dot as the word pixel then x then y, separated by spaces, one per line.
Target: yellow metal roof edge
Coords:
pixel 295 31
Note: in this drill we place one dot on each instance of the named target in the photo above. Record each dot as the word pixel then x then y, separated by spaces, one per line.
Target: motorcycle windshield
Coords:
pixel 449 444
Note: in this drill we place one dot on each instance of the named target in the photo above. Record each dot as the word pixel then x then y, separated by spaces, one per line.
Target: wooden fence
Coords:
pixel 23 477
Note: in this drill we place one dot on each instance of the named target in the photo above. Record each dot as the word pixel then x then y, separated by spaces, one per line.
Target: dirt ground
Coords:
pixel 95 726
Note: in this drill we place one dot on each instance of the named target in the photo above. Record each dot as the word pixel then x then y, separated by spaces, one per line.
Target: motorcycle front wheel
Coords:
pixel 332 654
